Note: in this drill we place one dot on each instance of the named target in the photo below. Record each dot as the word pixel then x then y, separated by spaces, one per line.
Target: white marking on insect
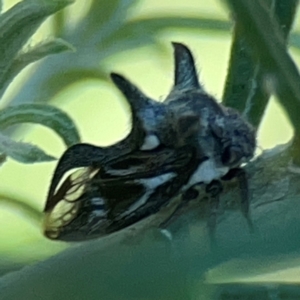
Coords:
pixel 151 142
pixel 99 213
pixel 150 184
pixel 99 209
pixel 97 201
pixel 206 172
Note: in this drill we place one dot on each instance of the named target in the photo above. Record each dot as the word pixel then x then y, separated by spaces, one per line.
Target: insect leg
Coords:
pixel 175 214
pixel 240 175
pixel 213 190
pixel 191 194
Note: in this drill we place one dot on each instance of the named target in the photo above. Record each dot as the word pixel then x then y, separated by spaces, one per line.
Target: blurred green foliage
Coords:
pixel 17 25
pixel 245 88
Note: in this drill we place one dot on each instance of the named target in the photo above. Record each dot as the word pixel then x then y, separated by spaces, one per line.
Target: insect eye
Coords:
pixel 231 156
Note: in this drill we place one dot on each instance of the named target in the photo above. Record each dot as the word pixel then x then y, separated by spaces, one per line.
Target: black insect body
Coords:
pixel 187 140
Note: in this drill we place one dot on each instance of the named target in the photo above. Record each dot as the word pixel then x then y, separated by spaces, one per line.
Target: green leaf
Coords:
pixel 285 12
pixel 42 50
pixel 61 80
pixel 43 114
pixel 59 22
pixel 2 158
pixel 295 40
pixel 141 32
pixel 23 152
pixel 240 82
pixel 19 23
pixel 244 88
pixel 38 52
pixel 89 59
pixel 103 18
pixel 268 45
pixel 22 206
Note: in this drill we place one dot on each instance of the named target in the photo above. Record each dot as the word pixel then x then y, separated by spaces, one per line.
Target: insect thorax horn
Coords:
pixel 136 98
pixel 186 76
pixel 139 104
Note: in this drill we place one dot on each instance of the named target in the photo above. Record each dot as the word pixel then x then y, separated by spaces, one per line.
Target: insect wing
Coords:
pixel 67 201
pixel 161 173
pixel 121 193
pixel 143 164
